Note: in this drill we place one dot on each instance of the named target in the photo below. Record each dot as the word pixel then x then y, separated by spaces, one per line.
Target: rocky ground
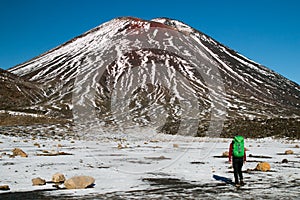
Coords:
pixel 142 166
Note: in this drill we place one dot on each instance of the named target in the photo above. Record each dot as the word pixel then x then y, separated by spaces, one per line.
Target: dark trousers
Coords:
pixel 237 164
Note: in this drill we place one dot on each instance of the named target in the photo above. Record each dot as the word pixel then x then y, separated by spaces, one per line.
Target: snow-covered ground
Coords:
pixel 150 167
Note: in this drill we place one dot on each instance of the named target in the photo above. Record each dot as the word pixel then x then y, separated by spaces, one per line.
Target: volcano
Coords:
pixel 160 74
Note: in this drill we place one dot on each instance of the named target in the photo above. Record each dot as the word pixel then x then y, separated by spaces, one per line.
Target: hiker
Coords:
pixel 237 156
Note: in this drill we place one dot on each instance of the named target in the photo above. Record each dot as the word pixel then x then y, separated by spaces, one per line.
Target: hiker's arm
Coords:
pixel 230 152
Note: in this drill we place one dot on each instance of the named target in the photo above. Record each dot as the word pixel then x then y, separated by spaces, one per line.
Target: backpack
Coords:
pixel 238 146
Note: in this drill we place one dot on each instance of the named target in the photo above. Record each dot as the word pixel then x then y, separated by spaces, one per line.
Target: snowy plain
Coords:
pixel 149 166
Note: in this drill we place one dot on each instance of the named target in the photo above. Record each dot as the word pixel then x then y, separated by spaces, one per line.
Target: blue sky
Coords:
pixel 266 31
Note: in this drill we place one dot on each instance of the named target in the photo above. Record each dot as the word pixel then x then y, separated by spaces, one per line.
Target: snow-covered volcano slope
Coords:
pixel 147 69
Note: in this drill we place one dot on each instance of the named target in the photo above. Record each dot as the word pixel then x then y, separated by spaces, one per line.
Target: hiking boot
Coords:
pixel 237 185
pixel 242 183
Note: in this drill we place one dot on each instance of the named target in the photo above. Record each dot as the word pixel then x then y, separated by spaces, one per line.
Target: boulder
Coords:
pixel 19 152
pixel 58 178
pixel 79 182
pixel 263 166
pixel 297 146
pixel 176 145
pixel 285 160
pixel 38 181
pixel 287 152
pixel 4 187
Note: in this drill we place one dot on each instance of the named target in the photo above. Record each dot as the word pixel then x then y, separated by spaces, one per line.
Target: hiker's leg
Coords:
pixel 235 165
pixel 240 169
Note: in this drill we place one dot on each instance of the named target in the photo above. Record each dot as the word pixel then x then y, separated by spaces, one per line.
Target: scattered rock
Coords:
pixel 225 154
pixel 263 166
pixel 19 152
pixel 120 146
pixel 79 182
pixel 4 187
pixel 37 145
pixel 175 145
pixel 38 181
pixel 58 178
pixel 287 152
pixel 285 160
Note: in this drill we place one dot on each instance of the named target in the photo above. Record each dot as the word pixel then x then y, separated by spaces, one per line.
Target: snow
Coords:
pixel 119 170
pixel 19 113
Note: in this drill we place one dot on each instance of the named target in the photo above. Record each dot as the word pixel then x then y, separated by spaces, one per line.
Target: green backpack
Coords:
pixel 238 146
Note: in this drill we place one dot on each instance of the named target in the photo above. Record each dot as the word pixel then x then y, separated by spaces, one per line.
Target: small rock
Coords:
pixel 19 152
pixel 4 187
pixel 176 145
pixel 285 160
pixel 120 146
pixel 225 154
pixel 38 181
pixel 58 178
pixel 79 182
pixel 287 152
pixel 37 145
pixel 263 166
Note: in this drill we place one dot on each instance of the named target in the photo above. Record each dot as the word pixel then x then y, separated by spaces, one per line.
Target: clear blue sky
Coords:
pixel 266 31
